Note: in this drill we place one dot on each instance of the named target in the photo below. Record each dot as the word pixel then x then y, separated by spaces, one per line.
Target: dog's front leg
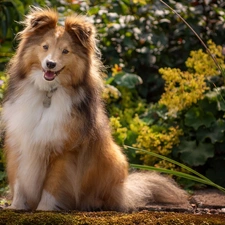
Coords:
pixel 31 173
pixel 54 184
pixel 13 156
pixel 19 199
pixel 28 182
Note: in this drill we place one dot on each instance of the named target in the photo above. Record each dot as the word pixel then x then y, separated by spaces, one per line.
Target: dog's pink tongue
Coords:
pixel 49 75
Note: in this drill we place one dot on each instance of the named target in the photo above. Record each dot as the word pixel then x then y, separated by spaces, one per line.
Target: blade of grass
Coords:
pixel 200 178
pixel 169 160
pixel 179 174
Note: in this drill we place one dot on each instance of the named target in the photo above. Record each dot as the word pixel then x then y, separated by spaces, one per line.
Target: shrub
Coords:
pixel 144 36
pixel 178 110
pixel 199 111
pixel 187 123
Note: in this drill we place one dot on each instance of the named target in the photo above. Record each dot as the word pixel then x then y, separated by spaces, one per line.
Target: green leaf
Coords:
pixel 124 7
pixel 216 171
pixel 110 80
pixel 212 95
pixel 195 155
pixel 215 133
pixel 221 105
pixel 169 160
pixel 208 105
pixel 198 177
pixel 2 175
pixel 178 174
pixel 5 23
pixel 94 10
pixel 217 95
pixel 196 117
pixel 220 148
pixel 128 80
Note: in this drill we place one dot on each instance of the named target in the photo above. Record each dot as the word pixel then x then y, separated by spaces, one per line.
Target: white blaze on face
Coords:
pixel 56 57
pixel 49 71
pixel 45 60
pixel 52 62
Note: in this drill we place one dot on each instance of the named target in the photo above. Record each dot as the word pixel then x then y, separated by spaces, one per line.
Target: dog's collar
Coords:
pixel 48 97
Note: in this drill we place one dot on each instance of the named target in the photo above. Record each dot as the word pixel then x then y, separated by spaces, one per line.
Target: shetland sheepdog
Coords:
pixel 58 144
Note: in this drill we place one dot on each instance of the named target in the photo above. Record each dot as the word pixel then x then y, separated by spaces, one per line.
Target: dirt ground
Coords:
pixel 206 201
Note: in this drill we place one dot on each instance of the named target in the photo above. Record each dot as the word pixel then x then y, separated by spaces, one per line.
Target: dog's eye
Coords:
pixel 45 47
pixel 65 51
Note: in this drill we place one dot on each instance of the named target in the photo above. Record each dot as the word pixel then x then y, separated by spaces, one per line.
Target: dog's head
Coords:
pixel 62 53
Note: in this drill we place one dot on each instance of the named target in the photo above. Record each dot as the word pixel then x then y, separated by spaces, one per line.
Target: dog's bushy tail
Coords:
pixel 142 188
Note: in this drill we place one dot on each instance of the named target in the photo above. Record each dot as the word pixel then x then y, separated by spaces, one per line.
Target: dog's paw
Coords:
pixel 13 207
pixel 47 203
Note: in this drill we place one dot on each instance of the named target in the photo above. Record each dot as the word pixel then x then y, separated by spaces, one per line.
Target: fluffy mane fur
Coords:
pixel 59 148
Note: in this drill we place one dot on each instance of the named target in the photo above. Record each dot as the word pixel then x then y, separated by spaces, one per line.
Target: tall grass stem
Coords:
pixel 198 178
pixel 202 42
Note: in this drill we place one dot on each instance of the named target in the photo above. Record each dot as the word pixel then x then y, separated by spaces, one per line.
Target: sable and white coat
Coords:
pixel 59 149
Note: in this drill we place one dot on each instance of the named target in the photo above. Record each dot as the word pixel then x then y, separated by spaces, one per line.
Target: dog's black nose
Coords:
pixel 50 64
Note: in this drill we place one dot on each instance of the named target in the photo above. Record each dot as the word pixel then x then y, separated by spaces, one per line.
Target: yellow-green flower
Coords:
pixel 116 69
pixel 201 62
pixel 142 2
pixel 182 89
pixel 110 93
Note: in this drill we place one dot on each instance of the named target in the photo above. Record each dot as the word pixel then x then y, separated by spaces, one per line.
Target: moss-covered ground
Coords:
pixel 9 217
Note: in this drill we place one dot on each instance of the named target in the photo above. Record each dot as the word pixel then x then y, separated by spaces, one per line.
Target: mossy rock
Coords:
pixel 9 217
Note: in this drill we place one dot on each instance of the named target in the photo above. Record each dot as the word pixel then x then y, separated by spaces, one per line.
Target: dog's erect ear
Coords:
pixel 80 30
pixel 38 20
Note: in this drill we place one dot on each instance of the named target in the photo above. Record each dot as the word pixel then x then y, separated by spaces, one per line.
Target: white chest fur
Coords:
pixel 31 125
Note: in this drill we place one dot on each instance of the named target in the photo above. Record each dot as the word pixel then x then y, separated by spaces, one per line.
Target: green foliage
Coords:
pixel 196 117
pixel 177 113
pixel 3 85
pixel 130 117
pixel 12 11
pixel 195 154
pixel 187 123
pixel 189 173
pixel 202 121
pixel 9 13
pixel 127 80
pixel 144 36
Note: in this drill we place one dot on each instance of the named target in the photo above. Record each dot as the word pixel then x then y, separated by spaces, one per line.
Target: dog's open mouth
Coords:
pixel 51 75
